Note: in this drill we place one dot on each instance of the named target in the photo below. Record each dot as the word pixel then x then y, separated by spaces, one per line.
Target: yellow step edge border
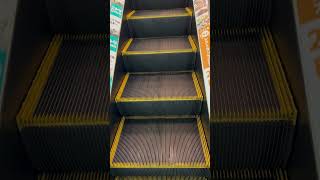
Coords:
pixel 125 51
pixel 199 96
pixel 131 15
pixel 204 147
pixel 26 118
pixel 287 107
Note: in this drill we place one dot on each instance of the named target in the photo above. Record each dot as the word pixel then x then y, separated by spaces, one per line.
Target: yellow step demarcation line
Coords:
pixel 125 51
pixel 286 90
pixel 287 108
pixel 26 118
pixel 119 97
pixel 160 165
pixel 131 15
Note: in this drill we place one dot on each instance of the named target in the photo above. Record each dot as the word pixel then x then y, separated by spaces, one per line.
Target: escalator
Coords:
pixel 159 99
pixel 62 123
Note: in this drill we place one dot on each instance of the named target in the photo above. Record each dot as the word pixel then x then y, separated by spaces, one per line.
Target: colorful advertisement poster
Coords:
pixel 202 16
pixel 116 13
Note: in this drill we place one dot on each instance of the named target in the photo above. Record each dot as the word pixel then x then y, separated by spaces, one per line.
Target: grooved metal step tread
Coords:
pixel 159 143
pixel 70 84
pixel 159 45
pixel 230 14
pixel 159 13
pixel 250 83
pixel 74 176
pixel 253 112
pixel 63 120
pixel 167 93
pixel 159 87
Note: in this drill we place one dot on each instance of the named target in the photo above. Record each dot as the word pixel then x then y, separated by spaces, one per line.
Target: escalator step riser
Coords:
pixel 160 62
pixel 250 174
pixel 74 176
pixel 160 178
pixel 160 108
pixel 158 4
pixel 162 172
pixel 73 148
pixel 251 145
pixel 160 27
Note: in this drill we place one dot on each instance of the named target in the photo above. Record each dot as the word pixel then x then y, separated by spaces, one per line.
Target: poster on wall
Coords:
pixel 202 16
pixel 116 13
pixel 308 25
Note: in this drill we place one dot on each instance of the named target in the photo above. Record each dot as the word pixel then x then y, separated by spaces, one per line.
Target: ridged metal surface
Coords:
pixel 158 4
pixel 160 12
pixel 76 85
pixel 247 174
pixel 160 85
pixel 159 48
pixel 74 176
pixel 243 82
pixel 160 44
pixel 158 145
pixel 67 148
pixel 250 174
pixel 253 113
pixel 160 141
pixel 250 82
pixel 241 13
pixel 70 84
pixel 63 120
pixel 159 178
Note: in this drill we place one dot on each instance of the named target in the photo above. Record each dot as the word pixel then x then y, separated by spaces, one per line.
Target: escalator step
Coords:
pixel 74 176
pixel 63 120
pixel 159 54
pixel 160 146
pixel 161 22
pixel 253 113
pixel 174 93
